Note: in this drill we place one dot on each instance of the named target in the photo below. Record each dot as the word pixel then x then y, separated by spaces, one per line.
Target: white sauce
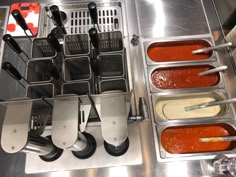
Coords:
pixel 174 109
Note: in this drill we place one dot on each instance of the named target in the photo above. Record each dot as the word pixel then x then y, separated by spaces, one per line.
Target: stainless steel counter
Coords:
pixel 165 19
pixel 148 19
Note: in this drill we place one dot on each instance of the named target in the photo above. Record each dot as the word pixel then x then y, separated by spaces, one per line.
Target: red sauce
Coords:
pixel 177 51
pixel 180 140
pixel 183 77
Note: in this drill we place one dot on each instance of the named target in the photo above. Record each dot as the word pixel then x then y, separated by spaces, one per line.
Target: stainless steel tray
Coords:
pixel 226 111
pixel 150 70
pixel 164 156
pixel 157 94
pixel 147 44
pixel 79 21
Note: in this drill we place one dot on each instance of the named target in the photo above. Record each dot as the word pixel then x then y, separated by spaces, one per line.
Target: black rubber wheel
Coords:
pixel 117 150
pixel 54 155
pixel 89 150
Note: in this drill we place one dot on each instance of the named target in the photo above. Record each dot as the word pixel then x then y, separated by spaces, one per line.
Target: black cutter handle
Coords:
pixel 8 67
pixel 93 34
pixel 53 41
pixel 19 19
pixel 95 66
pixel 12 43
pixel 54 71
pixel 93 12
pixel 56 15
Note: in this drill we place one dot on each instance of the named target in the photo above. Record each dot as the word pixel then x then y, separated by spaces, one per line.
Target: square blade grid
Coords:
pixel 79 21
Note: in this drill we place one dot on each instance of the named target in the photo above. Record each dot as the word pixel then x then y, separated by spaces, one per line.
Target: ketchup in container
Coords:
pixel 183 77
pixel 177 51
pixel 185 139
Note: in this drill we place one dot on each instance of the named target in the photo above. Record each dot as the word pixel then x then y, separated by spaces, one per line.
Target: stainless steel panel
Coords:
pixel 9 88
pixel 226 10
pixel 13 165
pixel 219 12
pixel 65 122
pixel 15 127
pixel 162 18
pixel 114 121
pixel 4 12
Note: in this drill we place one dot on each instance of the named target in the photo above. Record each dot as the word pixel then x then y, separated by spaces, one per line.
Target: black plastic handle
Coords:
pixel 12 43
pixel 93 34
pixel 19 19
pixel 53 41
pixel 56 15
pixel 93 12
pixel 54 71
pixel 8 67
pixel 95 66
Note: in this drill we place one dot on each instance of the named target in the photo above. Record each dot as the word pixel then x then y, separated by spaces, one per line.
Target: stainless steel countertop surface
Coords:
pixel 182 17
pixel 171 18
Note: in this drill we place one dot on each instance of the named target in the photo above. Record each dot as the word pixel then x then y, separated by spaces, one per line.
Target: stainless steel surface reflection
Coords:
pixel 157 18
pixel 162 18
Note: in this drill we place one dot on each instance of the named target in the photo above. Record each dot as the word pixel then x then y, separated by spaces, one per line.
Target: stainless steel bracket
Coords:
pixel 85 110
pixel 65 123
pixel 113 111
pixel 16 126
